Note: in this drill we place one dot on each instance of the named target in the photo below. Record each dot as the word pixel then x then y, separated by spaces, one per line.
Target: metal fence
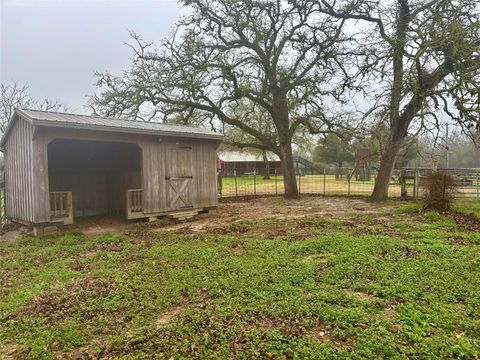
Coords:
pixel 344 181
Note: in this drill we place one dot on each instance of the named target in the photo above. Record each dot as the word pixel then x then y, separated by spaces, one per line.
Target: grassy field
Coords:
pixel 308 184
pixel 468 206
pixel 362 283
pixel 318 184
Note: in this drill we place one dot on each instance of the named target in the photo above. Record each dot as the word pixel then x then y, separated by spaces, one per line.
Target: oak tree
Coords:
pixel 423 59
pixel 16 96
pixel 283 58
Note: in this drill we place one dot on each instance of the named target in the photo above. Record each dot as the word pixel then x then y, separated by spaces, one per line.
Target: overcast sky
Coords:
pixel 56 45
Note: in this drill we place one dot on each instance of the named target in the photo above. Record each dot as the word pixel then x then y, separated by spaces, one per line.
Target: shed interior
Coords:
pixel 97 173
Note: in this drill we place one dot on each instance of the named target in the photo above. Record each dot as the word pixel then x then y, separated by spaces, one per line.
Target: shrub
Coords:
pixel 439 190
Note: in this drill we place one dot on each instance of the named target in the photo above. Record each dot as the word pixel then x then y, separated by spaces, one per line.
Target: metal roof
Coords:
pixel 245 156
pixel 66 120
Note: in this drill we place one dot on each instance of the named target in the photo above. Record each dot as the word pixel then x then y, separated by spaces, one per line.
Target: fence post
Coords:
pixel 276 189
pixel 348 178
pixel 324 180
pixel 299 181
pixel 255 182
pixel 478 184
pixel 235 178
pixel 415 185
pixel 219 182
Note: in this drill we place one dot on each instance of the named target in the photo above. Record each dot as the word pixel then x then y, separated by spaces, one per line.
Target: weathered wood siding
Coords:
pixel 19 165
pixel 118 184
pixel 205 180
pixel 153 176
pixel 203 172
pixel 32 163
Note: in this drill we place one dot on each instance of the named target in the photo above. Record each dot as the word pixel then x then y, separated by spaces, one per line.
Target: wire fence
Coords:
pixel 343 181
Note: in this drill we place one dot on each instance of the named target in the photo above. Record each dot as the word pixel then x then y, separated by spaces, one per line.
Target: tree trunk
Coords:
pixel 387 163
pixel 289 177
pixel 282 123
pixel 267 166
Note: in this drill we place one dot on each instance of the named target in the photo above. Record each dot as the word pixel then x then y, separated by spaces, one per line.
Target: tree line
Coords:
pixel 424 151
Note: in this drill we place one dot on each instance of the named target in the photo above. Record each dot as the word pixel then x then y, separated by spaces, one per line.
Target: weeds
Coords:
pixel 439 191
pixel 407 286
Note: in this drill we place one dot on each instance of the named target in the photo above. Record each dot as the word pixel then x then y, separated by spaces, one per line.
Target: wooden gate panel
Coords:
pixel 179 177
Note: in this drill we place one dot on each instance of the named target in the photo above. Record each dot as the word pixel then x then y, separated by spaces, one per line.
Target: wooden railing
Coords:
pixel 61 206
pixel 134 202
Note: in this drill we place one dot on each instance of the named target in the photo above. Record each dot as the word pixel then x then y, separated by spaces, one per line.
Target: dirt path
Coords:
pixel 278 207
pixel 10 236
pixel 13 232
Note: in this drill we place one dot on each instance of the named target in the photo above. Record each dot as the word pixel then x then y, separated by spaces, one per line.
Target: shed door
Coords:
pixel 179 177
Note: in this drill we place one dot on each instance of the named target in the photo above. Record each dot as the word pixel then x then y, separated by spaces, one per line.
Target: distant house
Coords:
pixel 62 166
pixel 243 162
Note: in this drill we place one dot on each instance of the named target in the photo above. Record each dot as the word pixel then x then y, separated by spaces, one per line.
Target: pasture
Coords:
pixel 328 184
pixel 270 278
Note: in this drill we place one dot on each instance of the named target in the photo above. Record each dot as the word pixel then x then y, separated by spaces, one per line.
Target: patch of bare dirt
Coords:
pixel 315 258
pixel 96 225
pixel 81 263
pixel 277 207
pixel 362 296
pixel 224 221
pixel 456 240
pixel 390 310
pixel 58 303
pixel 467 222
pixel 382 226
pixel 296 328
pixel 293 229
pixel 305 205
pixel 409 252
pixel 167 316
pixel 8 351
pixel 13 232
pixel 236 250
pixel 10 236
pixel 92 350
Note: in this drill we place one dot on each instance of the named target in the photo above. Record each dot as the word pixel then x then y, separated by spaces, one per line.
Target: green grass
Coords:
pixel 317 184
pixel 468 206
pixel 361 287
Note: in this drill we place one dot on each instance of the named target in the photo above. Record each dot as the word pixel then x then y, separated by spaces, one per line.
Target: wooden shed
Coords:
pixel 62 166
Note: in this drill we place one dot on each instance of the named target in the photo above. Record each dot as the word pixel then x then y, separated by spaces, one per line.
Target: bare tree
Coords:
pixel 282 58
pixel 423 58
pixel 15 96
